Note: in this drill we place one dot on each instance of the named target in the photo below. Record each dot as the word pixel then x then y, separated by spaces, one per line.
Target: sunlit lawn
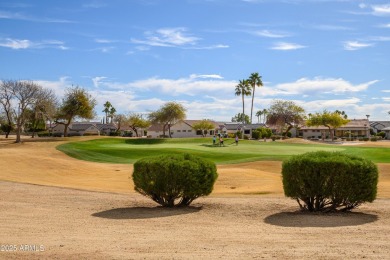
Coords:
pixel 122 150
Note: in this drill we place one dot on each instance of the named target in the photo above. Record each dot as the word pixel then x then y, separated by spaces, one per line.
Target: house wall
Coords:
pixel 314 133
pixel 89 130
pixel 340 132
pixel 387 136
pixel 182 130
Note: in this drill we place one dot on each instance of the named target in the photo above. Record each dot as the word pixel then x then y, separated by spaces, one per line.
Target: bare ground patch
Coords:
pixel 116 223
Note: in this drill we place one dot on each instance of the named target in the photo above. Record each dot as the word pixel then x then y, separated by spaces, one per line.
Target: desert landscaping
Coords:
pixel 57 207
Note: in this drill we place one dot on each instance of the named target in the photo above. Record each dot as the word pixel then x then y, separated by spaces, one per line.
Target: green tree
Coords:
pixel 259 114
pixel 241 118
pixel 111 114
pixel 106 110
pixel 243 89
pixel 136 122
pixel 285 113
pixel 205 125
pixel 168 115
pixel 265 112
pixel 331 120
pixel 77 103
pixel 254 81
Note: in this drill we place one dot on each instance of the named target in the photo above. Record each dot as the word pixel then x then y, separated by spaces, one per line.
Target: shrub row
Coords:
pixel 318 181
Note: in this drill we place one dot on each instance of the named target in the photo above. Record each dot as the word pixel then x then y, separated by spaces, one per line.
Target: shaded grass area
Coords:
pixel 121 150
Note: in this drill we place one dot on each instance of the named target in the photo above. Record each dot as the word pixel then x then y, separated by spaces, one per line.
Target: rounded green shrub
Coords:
pixel 174 180
pixel 329 181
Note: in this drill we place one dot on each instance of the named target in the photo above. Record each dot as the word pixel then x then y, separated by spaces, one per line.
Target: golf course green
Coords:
pixel 125 150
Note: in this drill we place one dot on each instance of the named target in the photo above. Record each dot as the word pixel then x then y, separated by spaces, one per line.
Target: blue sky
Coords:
pixel 139 54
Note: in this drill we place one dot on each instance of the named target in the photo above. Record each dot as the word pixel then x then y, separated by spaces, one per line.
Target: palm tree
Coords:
pixel 259 114
pixel 265 112
pixel 254 80
pixel 112 113
pixel 106 109
pixel 243 89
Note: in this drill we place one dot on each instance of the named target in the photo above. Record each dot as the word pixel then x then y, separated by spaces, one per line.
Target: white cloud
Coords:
pixel 386 91
pixel 270 34
pixel 206 76
pixel 168 37
pixel 27 44
pixel 322 86
pixel 16 44
pixel 174 37
pixel 362 5
pixel 328 27
pixel 381 9
pixel 211 47
pixel 58 87
pixel 97 80
pixel 184 86
pixel 355 45
pixel 385 25
pixel 285 46
pixel 19 16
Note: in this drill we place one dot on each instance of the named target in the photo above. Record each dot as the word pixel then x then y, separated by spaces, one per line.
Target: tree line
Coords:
pixel 27 105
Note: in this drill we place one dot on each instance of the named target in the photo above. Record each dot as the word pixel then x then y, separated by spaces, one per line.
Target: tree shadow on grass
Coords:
pixel 321 220
pixel 145 212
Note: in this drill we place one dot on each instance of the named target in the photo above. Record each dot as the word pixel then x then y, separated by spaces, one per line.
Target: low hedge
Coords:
pixel 174 180
pixel 329 181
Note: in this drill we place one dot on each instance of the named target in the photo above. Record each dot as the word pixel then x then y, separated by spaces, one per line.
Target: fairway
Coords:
pixel 121 150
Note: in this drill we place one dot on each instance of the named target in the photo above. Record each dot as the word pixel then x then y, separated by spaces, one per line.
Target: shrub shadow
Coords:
pixel 321 220
pixel 145 212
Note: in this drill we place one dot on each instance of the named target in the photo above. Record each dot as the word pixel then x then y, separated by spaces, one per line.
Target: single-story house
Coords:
pixel 387 132
pixel 84 128
pixel 106 129
pixel 232 128
pixel 378 126
pixel 77 129
pixel 355 127
pixel 184 128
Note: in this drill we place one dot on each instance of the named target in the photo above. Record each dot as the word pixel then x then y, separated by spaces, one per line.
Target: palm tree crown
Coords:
pixel 254 80
pixel 259 114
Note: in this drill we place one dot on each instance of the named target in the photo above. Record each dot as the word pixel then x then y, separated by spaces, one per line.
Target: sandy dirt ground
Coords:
pixel 56 207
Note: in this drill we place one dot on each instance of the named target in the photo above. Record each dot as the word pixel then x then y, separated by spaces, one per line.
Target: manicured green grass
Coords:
pixel 121 150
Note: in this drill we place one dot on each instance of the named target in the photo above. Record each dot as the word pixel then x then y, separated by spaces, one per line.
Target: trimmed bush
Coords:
pixel 174 180
pixel 381 134
pixel 329 181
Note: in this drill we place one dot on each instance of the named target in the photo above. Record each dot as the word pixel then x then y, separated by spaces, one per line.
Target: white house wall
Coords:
pixel 182 130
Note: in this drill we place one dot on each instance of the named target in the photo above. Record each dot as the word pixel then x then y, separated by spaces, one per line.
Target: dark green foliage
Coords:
pixel 381 134
pixel 174 180
pixel 329 181
pixel 261 132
